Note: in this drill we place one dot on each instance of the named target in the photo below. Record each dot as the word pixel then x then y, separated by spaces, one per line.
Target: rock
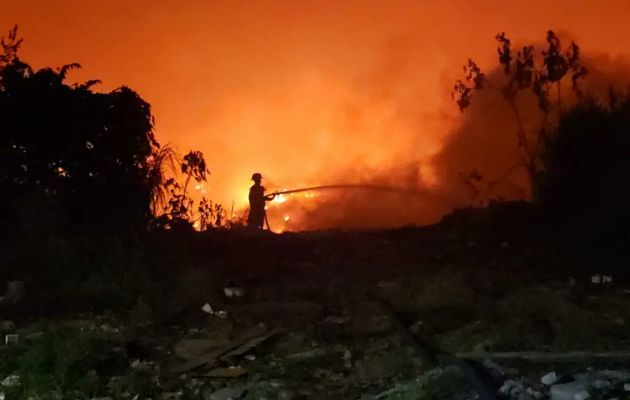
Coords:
pixel 107 328
pixel 227 394
pixel 10 381
pixel 569 391
pixel 602 384
pixel 233 292
pixel 15 292
pixel 511 387
pixel 549 379
pixel 581 395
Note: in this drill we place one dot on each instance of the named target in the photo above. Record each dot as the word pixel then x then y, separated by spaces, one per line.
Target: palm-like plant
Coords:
pixel 162 164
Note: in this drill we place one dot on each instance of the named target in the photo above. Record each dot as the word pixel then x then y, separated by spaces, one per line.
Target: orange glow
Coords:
pixel 307 93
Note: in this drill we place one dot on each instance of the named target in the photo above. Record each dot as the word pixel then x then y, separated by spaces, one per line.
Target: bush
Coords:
pixel 70 158
pixel 586 165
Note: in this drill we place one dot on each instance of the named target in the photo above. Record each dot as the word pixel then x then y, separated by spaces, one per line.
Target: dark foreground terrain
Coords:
pixel 461 310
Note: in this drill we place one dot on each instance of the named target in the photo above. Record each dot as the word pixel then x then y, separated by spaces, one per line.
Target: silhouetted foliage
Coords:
pixel 522 72
pixel 178 209
pixel 586 164
pixel 69 157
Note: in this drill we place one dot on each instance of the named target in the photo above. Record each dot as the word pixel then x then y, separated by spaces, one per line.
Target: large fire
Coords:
pixel 316 93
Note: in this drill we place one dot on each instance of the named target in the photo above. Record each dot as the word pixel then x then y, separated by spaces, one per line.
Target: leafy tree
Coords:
pixel 586 162
pixel 524 72
pixel 82 157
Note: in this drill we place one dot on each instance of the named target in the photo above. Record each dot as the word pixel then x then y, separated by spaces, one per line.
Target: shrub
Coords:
pixel 586 165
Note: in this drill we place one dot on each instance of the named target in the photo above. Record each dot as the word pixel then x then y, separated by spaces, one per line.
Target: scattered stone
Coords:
pixel 535 394
pixel 142 365
pixel 207 308
pixel 569 391
pixel 511 387
pixel 10 381
pixel 233 292
pixel 109 329
pixel 602 384
pixel 549 379
pixel 581 395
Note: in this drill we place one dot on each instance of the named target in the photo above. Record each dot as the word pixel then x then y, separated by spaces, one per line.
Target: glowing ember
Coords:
pixel 279 199
pixel 286 218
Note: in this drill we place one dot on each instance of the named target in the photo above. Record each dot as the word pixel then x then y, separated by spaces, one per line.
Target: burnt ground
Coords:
pixel 453 310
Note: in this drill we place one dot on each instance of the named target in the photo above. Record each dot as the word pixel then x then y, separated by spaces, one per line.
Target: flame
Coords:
pixel 279 199
pixel 310 93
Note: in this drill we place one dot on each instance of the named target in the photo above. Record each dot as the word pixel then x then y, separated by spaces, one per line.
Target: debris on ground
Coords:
pixel 398 319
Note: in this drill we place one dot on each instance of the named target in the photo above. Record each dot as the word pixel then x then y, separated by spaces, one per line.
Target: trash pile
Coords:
pixel 378 316
pixel 593 384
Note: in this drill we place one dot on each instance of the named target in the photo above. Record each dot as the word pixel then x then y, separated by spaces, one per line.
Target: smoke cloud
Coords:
pixel 312 93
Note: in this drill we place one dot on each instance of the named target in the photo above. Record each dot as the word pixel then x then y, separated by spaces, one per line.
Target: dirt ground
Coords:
pixel 415 313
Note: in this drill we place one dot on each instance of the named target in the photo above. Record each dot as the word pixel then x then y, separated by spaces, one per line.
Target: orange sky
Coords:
pixel 298 90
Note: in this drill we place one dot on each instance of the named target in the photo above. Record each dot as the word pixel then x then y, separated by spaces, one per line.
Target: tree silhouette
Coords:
pixel 524 73
pixel 66 151
pixel 586 162
pixel 178 210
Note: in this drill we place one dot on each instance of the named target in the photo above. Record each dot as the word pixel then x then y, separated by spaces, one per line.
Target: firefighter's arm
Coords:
pixel 270 197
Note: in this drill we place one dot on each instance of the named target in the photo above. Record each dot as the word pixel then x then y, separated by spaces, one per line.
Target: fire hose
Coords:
pixel 382 188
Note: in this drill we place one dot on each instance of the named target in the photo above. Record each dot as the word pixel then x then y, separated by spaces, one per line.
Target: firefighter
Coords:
pixel 257 201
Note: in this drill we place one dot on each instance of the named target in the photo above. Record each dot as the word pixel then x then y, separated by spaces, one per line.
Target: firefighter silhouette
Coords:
pixel 257 200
